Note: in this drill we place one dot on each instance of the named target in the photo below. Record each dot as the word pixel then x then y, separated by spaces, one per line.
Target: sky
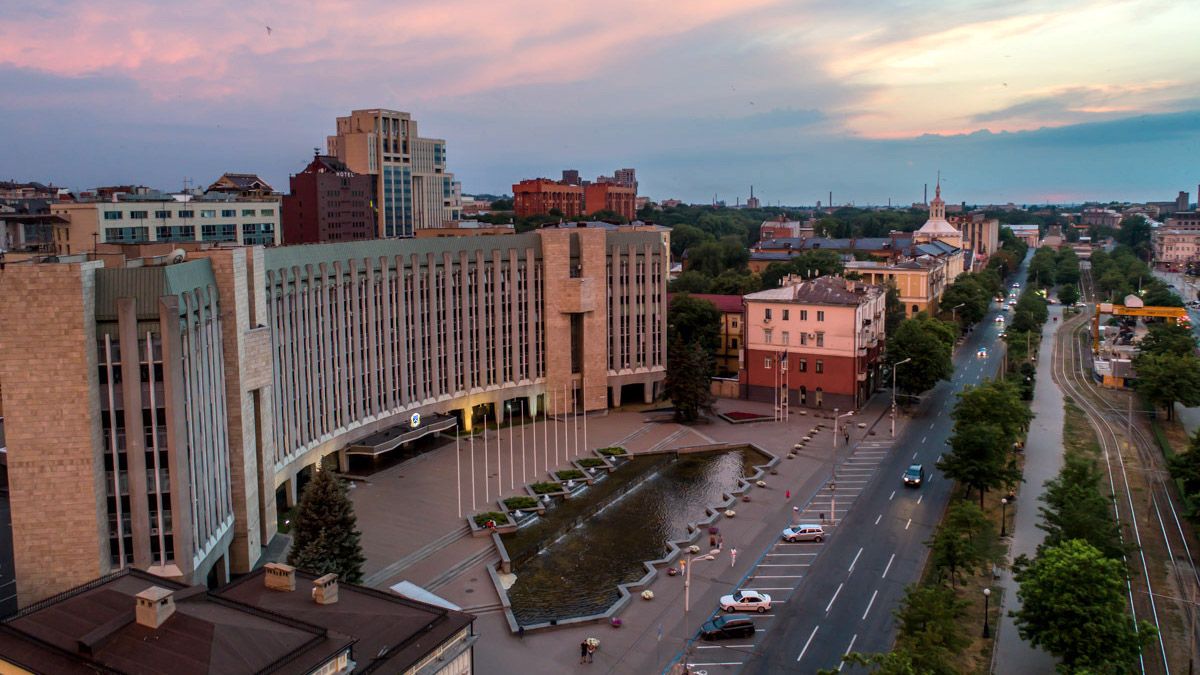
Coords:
pixel 1028 101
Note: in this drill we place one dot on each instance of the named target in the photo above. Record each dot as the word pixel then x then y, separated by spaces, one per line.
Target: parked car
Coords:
pixel 746 600
pixel 727 627
pixel 805 532
pixel 914 476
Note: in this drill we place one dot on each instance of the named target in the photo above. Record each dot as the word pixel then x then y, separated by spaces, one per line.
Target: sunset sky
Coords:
pixel 1023 101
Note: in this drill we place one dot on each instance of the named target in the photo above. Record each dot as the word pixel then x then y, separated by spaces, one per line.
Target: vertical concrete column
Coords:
pixel 291 494
pixel 177 440
pixel 343 460
pixel 135 438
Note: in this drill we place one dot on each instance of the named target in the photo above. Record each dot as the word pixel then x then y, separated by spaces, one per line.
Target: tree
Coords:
pixel 1168 338
pixel 894 310
pixel 895 662
pixel 691 281
pixel 1073 606
pixel 733 282
pixel 995 402
pixel 714 257
pixel 1042 267
pixel 1135 233
pixel 1185 467
pixel 1165 379
pixel 694 321
pixel 687 381
pixel 979 457
pixel 684 236
pixel 928 342
pixel 1068 294
pixel 963 543
pixel 325 537
pixel 970 293
pixel 931 628
pixel 1075 509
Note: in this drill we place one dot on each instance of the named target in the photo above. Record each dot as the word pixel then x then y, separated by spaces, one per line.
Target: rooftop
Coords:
pixel 728 304
pixel 827 290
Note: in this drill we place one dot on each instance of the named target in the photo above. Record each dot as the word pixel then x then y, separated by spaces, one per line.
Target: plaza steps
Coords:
pixel 487 555
pixel 417 556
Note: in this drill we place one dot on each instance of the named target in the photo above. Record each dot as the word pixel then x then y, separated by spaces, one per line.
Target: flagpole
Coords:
pixel 524 474
pixel 556 462
pixel 575 416
pixel 512 472
pixel 545 431
pixel 471 412
pixel 458 468
pixel 487 495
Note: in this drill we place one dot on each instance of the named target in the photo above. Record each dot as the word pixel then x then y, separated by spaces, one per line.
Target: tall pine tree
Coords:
pixel 325 537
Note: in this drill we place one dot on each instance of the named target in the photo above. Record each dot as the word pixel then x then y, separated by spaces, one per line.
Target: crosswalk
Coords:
pixel 783 567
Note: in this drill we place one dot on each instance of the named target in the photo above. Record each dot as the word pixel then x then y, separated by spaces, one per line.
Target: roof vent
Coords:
pixel 154 606
pixel 280 577
pixel 325 589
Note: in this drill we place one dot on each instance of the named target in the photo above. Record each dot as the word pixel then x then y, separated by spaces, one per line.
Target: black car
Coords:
pixel 727 627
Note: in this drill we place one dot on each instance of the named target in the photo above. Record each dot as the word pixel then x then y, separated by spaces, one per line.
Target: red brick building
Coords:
pixel 539 195
pixel 329 202
pixel 613 197
pixel 814 343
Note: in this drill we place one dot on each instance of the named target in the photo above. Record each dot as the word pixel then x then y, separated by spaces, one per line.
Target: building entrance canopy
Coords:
pixel 393 437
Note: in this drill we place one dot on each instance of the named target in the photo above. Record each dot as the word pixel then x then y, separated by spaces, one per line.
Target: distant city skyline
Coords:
pixel 1023 102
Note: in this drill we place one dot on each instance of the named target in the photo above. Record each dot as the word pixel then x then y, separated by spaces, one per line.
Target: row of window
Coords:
pixel 188 213
pixel 769 336
pixel 818 365
pixel 787 314
pixel 252 233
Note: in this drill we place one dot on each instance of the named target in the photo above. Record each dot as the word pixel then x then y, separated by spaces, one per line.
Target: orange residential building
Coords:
pixel 539 195
pixel 613 197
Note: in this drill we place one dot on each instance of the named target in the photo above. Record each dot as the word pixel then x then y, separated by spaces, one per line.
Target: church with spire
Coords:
pixel 937 232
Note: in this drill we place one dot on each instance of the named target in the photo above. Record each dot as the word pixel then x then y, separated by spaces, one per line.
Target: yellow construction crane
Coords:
pixel 1171 314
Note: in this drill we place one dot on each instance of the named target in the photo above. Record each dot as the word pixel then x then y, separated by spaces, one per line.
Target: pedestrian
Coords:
pixel 712 541
pixel 787 494
pixel 822 517
pixel 720 541
pixel 583 651
pixel 732 557
pixel 521 632
pixel 591 650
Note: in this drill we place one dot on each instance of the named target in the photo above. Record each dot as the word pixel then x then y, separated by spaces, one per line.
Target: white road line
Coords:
pixel 889 566
pixel 783 565
pixel 893 496
pixel 878 518
pixel 855 561
pixel 777 576
pixel 869 603
pixel 722 663
pixel 722 647
pixel 931 425
pixel 920 498
pixel 792 554
pixel 849 649
pixel 923 438
pixel 914 455
pixel 908 523
pixel 808 642
pixel 831 600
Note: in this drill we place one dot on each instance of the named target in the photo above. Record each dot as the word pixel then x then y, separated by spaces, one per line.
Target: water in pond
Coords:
pixel 578 573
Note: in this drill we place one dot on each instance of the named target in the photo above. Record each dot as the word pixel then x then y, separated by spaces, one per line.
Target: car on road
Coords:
pixel 746 600
pixel 804 532
pixel 1000 319
pixel 727 627
pixel 1016 285
pixel 981 352
pixel 1003 334
pixel 914 475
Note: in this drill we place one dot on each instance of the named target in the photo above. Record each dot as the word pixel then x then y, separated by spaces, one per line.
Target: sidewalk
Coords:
pixel 1043 460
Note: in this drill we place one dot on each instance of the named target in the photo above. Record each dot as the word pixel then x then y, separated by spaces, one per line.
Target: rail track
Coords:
pixel 1162 570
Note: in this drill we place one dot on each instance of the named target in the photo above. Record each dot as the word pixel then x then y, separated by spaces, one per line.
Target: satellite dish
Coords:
pixel 178 255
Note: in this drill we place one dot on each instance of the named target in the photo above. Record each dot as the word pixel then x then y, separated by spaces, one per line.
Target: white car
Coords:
pixel 746 601
pixel 1016 285
pixel 982 353
pixel 1000 319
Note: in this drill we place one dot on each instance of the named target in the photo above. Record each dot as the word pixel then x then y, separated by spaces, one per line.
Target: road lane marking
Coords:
pixel 831 600
pixel 914 455
pixel 855 561
pixel 849 649
pixel 920 498
pixel 721 663
pixel 893 496
pixel 908 523
pixel 869 603
pixel 783 565
pixel 808 642
pixel 923 438
pixel 777 576
pixel 878 518
pixel 721 647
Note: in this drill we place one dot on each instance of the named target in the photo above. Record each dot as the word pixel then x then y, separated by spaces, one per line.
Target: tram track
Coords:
pixel 1133 466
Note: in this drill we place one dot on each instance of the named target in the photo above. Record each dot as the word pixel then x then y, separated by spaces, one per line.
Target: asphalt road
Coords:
pixel 846 600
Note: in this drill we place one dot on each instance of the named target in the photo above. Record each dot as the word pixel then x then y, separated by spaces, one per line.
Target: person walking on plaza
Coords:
pixel 591 651
pixel 583 651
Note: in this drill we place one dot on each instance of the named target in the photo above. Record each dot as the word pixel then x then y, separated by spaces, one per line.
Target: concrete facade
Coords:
pixel 222 378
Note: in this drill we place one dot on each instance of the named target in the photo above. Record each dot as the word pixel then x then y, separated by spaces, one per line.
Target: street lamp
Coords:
pixel 987 594
pixel 954 311
pixel 1003 520
pixel 687 597
pixel 895 367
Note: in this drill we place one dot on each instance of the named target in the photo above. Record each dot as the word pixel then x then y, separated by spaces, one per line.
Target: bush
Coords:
pixel 521 502
pixel 546 488
pixel 612 451
pixel 481 519
pixel 591 462
pixel 569 474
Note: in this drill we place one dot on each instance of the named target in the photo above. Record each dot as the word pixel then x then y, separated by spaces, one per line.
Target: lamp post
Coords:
pixel 1003 520
pixel 687 597
pixel 895 367
pixel 987 595
pixel 954 311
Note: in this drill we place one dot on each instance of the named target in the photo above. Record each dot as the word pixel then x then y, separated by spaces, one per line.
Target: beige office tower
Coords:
pixel 413 191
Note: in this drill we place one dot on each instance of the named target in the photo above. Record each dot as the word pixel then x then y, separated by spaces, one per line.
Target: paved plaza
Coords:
pixel 409 516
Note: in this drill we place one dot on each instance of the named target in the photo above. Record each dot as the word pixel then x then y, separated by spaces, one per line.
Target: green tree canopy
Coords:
pixel 964 543
pixel 808 264
pixel 1165 379
pixel 1068 294
pixel 973 297
pixel 734 282
pixel 928 342
pixel 894 310
pixel 1075 509
pixel 694 321
pixel 684 236
pixel 994 402
pixel 691 281
pixel 687 380
pixel 325 536
pixel 931 626
pixel 979 457
pixel 1073 606
pixel 1135 233
pixel 1166 338
pixel 714 257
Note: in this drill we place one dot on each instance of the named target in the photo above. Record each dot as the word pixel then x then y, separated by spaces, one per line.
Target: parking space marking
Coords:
pixel 783 565
pixel 777 576
pixel 720 647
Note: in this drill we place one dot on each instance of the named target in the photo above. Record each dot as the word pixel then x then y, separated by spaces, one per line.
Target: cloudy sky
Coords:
pixel 1013 100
